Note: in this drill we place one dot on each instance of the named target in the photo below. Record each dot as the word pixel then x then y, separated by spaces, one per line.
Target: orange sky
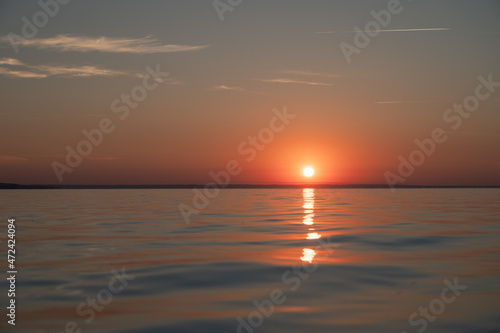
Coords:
pixel 353 120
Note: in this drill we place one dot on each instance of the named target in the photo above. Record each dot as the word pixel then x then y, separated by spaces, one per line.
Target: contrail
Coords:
pixel 392 30
pixel 484 33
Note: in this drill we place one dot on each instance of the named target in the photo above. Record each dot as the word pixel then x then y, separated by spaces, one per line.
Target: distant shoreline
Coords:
pixel 12 186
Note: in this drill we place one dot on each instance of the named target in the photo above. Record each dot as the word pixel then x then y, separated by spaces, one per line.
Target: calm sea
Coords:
pixel 255 260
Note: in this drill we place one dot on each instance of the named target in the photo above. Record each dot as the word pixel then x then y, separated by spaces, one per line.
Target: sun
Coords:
pixel 308 172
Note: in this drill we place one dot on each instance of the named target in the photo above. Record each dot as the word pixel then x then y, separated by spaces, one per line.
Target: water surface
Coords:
pixel 347 260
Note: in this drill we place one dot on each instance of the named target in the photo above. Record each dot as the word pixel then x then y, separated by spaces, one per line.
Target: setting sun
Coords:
pixel 308 172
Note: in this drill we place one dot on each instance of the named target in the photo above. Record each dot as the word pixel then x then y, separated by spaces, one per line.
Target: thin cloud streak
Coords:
pixel 65 43
pixel 388 30
pixel 12 159
pixel 233 88
pixel 21 74
pixel 84 71
pixel 43 71
pixel 295 81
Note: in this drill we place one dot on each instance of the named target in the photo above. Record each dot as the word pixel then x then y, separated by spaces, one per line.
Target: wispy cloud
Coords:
pixel 84 71
pixel 10 61
pixel 388 30
pixel 15 68
pixel 64 43
pixel 21 74
pixel 233 88
pixel 311 83
pixel 12 159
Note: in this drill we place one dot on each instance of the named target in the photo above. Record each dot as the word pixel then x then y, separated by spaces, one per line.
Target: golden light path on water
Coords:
pixel 308 205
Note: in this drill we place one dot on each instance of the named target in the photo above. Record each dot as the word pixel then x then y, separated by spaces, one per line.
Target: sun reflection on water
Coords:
pixel 308 205
pixel 308 255
pixel 313 235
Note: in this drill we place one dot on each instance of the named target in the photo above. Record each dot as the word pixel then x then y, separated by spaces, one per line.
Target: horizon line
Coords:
pixel 230 186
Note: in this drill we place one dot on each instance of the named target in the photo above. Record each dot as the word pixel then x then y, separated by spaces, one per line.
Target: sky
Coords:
pixel 314 83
